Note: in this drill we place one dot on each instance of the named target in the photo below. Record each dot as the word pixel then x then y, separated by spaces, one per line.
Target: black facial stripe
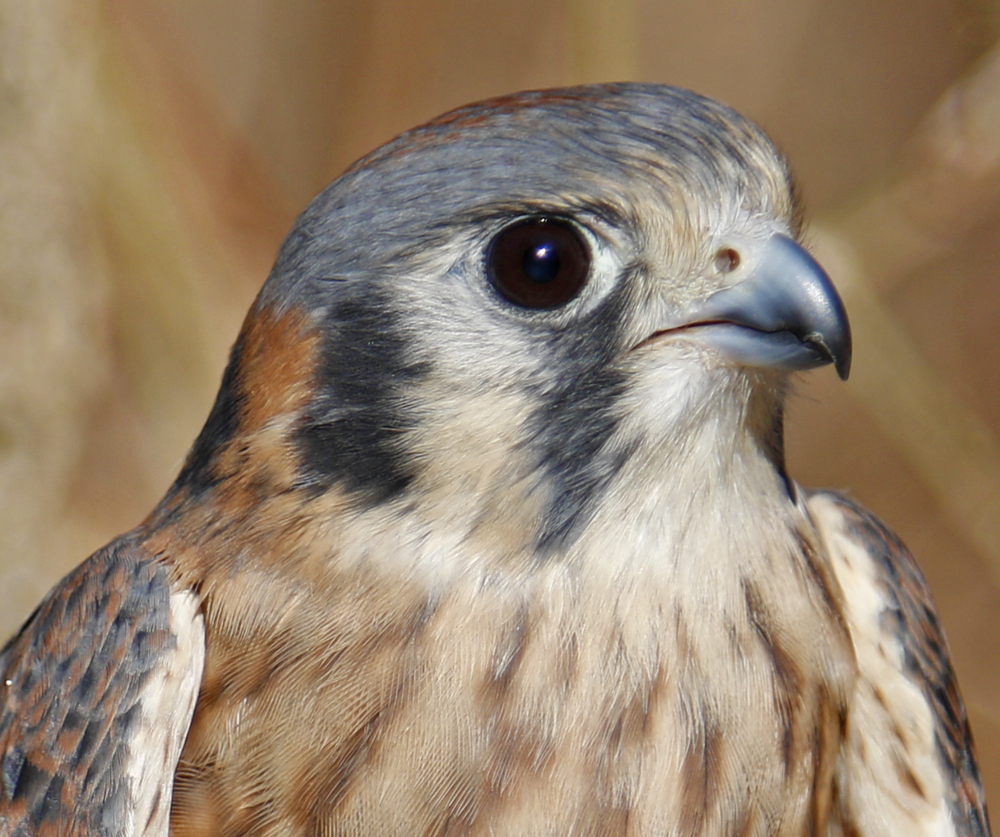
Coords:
pixel 352 432
pixel 577 419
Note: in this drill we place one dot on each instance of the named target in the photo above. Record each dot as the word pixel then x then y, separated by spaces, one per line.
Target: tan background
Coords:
pixel 153 153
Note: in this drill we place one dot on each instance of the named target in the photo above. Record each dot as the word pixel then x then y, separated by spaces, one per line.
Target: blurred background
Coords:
pixel 154 152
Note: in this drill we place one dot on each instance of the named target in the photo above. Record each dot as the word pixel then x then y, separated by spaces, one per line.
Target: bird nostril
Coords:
pixel 727 260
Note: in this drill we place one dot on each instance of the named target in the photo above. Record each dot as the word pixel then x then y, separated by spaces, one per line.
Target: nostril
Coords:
pixel 727 260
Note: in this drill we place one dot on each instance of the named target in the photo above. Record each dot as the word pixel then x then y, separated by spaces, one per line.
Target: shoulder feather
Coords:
pixel 96 696
pixel 908 766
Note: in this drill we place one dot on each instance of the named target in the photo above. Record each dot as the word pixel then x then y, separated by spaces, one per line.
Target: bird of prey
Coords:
pixel 489 530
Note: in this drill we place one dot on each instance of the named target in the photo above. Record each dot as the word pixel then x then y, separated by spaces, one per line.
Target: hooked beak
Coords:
pixel 786 313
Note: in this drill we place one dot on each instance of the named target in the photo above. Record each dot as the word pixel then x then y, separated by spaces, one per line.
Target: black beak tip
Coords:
pixel 837 350
pixel 841 347
pixel 842 363
pixel 841 350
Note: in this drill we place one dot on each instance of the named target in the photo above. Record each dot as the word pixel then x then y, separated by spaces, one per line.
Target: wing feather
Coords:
pixel 96 696
pixel 909 765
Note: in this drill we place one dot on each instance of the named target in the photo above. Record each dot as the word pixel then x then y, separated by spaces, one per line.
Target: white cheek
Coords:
pixel 672 381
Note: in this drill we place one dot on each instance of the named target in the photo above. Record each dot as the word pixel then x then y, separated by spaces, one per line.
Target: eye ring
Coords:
pixel 541 262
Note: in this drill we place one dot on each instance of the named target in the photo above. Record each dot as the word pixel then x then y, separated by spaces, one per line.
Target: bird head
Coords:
pixel 520 298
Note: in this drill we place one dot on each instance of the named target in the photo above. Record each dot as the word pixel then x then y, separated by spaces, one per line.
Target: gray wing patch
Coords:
pixel 79 685
pixel 909 761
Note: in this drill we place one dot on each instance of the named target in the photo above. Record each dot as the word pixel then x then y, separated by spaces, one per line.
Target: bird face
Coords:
pixel 512 303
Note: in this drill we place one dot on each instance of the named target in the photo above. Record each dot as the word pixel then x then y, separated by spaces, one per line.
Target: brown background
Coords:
pixel 153 153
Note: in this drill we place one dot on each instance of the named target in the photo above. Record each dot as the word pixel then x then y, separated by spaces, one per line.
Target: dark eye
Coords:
pixel 538 263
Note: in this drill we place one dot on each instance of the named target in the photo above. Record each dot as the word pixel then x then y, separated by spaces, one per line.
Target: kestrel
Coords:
pixel 489 531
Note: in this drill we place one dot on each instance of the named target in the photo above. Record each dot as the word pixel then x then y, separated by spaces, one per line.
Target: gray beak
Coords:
pixel 786 313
